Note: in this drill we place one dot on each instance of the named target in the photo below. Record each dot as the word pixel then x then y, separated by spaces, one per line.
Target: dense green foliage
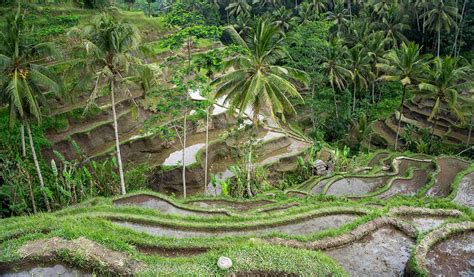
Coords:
pixel 330 68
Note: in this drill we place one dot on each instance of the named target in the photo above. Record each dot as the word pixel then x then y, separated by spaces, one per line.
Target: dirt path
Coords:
pixel 53 270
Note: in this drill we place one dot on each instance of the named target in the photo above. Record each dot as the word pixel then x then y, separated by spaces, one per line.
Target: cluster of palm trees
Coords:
pixel 102 53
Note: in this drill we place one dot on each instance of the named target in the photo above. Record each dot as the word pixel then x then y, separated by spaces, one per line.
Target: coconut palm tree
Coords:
pixel 359 65
pixel 256 82
pixel 339 16
pixel 282 18
pixel 22 79
pixel 440 15
pixel 319 6
pixel 107 45
pixel 407 66
pixel 445 78
pixel 394 24
pixel 334 64
pixel 376 48
pixel 239 7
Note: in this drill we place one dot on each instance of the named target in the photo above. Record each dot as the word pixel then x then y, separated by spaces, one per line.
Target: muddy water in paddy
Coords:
pixel 465 192
pixel 357 185
pixel 148 201
pixel 453 256
pixel 240 206
pixel 376 160
pixel 406 187
pixel 54 270
pixel 425 223
pixel 449 168
pixel 300 228
pixel 382 253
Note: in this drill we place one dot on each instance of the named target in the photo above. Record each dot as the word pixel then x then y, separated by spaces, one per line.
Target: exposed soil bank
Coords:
pixel 170 252
pixel 465 191
pixel 261 274
pixel 54 270
pixel 305 227
pixel 153 202
pixel 453 256
pixel 117 263
pixel 449 168
pixel 239 206
pixel 382 253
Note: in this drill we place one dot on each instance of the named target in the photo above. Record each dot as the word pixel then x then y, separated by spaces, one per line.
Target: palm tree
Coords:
pixel 255 81
pixel 319 6
pixel 359 65
pixel 339 16
pixel 22 78
pixel 150 10
pixel 376 49
pixel 239 7
pixel 444 80
pixel 439 16
pixel 305 13
pixel 334 65
pixel 394 24
pixel 282 18
pixel 107 46
pixel 407 66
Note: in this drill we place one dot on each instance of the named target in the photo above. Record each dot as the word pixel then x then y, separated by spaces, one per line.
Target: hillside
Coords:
pixel 236 138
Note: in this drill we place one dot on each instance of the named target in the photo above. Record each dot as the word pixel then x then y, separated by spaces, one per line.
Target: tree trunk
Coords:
pixel 117 141
pixel 433 127
pixel 335 101
pixel 249 169
pixel 32 196
pixel 37 166
pixel 439 42
pixel 184 152
pixel 459 30
pixel 313 115
pixel 206 162
pixel 149 9
pixel 373 92
pixel 23 145
pixel 354 98
pixel 400 118
pixel 470 131
pixel 349 7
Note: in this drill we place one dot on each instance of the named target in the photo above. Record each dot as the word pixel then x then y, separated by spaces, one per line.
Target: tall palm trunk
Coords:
pixel 400 118
pixel 207 151
pixel 117 141
pixel 335 101
pixel 459 29
pixel 249 170
pixel 470 131
pixel 184 152
pixel 354 98
pixel 37 166
pixel 439 42
pixel 433 127
pixel 23 145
